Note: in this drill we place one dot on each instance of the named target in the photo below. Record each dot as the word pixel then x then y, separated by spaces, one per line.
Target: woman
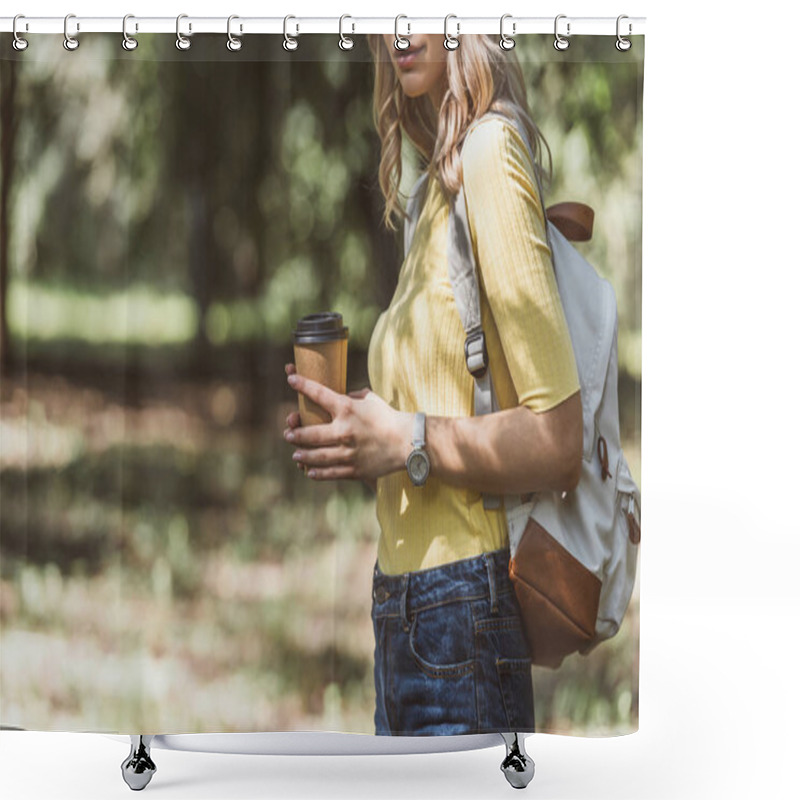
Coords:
pixel 450 656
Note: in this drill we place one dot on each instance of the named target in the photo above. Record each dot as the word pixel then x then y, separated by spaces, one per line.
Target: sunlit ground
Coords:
pixel 165 570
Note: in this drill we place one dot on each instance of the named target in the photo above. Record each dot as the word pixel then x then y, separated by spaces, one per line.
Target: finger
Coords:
pixel 293 420
pixel 325 456
pixel 288 435
pixel 290 369
pixel 360 394
pixel 331 473
pixel 323 396
pixel 313 436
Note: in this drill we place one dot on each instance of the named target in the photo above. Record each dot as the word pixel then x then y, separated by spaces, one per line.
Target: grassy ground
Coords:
pixel 164 569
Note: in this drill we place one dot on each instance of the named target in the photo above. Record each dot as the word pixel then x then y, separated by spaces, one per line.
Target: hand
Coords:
pixel 365 439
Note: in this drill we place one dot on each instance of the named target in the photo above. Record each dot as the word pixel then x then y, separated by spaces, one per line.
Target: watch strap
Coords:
pixel 418 432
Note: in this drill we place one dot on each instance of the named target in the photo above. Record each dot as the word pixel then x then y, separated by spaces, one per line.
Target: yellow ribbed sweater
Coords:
pixel 416 354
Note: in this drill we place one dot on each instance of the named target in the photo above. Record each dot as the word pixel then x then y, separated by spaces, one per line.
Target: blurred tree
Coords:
pixel 8 135
pixel 249 186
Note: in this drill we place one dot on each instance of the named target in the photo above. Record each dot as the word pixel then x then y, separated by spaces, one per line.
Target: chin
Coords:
pixel 412 87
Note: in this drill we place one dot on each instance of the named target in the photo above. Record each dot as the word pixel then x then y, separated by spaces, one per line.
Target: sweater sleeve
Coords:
pixel 514 265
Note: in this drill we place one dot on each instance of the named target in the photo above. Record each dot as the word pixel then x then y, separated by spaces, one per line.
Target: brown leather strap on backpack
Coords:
pixel 574 220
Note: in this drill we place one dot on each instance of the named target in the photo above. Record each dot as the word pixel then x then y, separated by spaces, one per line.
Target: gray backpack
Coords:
pixel 573 555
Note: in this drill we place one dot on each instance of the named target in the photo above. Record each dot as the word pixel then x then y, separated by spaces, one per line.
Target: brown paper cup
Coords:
pixel 325 364
pixel 321 361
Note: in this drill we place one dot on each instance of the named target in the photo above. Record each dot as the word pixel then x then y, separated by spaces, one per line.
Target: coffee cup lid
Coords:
pixel 320 328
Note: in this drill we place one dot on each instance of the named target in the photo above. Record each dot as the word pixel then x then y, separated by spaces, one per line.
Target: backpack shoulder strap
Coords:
pixel 464 281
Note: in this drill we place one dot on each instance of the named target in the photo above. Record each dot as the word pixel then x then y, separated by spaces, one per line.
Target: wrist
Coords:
pixel 402 445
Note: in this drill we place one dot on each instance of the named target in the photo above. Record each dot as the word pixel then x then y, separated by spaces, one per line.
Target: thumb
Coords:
pixel 360 394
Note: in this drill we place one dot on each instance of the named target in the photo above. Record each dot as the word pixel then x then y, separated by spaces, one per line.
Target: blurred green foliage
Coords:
pixel 248 187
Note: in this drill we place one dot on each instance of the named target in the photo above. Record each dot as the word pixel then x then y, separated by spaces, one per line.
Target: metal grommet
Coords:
pixel 451 42
pixel 400 42
pixel 623 44
pixel 506 42
pixel 19 43
pixel 182 43
pixel 128 42
pixel 289 42
pixel 560 42
pixel 234 42
pixel 345 42
pixel 70 42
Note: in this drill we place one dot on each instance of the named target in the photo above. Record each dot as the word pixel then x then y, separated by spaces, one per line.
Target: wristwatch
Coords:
pixel 418 464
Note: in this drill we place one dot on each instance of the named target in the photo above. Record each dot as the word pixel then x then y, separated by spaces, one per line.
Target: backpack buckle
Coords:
pixel 476 354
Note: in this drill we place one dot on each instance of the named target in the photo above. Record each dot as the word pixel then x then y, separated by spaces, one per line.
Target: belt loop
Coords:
pixel 492 586
pixel 404 604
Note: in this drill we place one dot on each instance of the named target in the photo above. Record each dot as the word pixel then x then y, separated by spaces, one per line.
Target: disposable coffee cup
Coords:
pixel 320 353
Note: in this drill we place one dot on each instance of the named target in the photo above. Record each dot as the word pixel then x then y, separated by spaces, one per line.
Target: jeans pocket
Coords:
pixel 503 636
pixel 441 640
pixel 516 688
pixel 506 687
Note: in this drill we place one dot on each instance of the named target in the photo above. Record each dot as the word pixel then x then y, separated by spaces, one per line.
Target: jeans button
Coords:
pixel 380 594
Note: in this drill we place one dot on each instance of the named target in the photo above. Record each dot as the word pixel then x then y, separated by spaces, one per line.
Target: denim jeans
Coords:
pixel 450 655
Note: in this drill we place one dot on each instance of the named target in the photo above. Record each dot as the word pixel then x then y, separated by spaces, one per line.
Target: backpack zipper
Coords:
pixel 634 529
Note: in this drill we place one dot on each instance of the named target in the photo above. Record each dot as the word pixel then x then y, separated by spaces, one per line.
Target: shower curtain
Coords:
pixel 168 216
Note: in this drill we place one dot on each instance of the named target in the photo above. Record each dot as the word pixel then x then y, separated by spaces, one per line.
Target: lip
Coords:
pixel 405 58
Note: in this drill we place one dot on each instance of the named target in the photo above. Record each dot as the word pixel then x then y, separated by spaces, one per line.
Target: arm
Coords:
pixel 508 452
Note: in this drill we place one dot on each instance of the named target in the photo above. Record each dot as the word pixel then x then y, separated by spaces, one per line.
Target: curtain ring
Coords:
pixel 400 42
pixel 345 42
pixel 289 42
pixel 182 43
pixel 234 42
pixel 506 42
pixel 451 42
pixel 70 42
pixel 623 44
pixel 560 42
pixel 128 42
pixel 19 44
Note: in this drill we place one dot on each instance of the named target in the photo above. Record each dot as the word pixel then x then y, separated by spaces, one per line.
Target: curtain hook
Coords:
pixel 400 42
pixel 345 42
pixel 289 42
pixel 623 44
pixel 70 42
pixel 128 42
pixel 234 42
pixel 451 42
pixel 506 42
pixel 19 43
pixel 182 43
pixel 560 42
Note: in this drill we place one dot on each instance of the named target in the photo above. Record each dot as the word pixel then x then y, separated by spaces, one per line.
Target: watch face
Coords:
pixel 418 467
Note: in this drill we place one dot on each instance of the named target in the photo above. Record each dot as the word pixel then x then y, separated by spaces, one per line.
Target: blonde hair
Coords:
pixel 481 77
